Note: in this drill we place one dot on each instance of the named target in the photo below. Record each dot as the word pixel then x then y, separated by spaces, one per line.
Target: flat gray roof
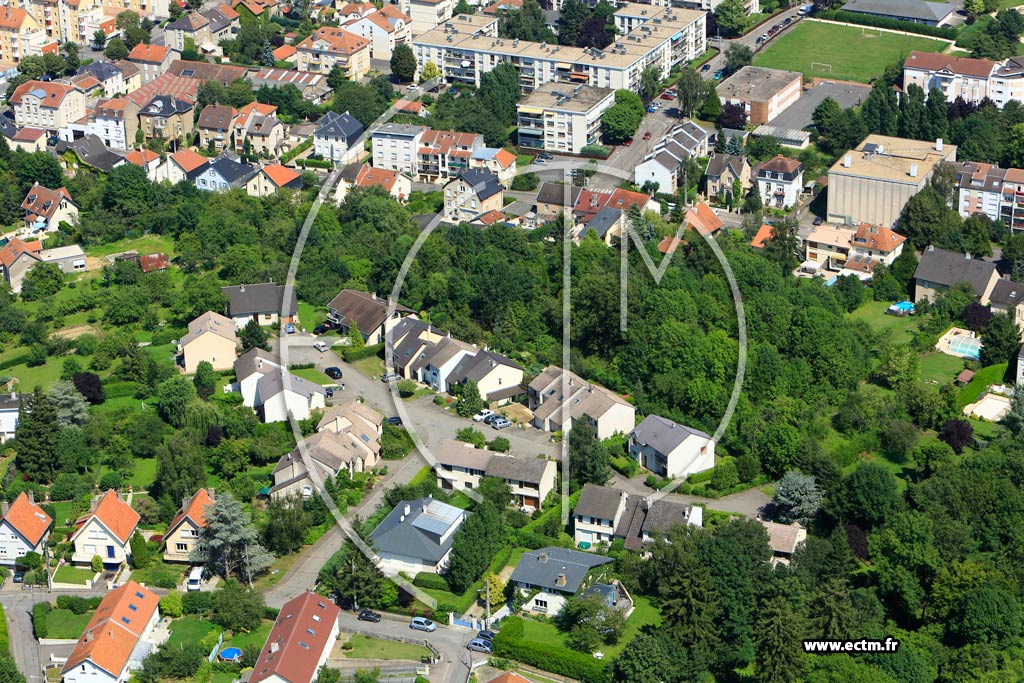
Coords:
pixel 799 114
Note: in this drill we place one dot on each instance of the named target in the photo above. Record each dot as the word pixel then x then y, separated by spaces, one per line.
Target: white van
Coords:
pixel 195 579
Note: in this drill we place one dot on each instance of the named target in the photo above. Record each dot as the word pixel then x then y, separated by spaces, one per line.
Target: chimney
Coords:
pixel 407 509
pixel 4 507
pixel 212 493
pixel 87 637
pixel 31 496
pixel 241 289
pixel 93 503
pixel 847 161
pixel 938 144
pixel 543 558
pixel 560 581
pixel 913 170
pixel 967 257
pixel 402 518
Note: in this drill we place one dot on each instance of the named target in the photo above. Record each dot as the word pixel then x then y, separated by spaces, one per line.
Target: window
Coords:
pixel 181 547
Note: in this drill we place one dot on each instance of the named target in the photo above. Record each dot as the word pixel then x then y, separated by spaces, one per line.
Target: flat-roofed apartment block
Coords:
pixel 749 6
pixel 558 118
pixel 873 182
pixel 996 192
pixel 764 93
pixel 22 36
pixel 427 14
pixel 468 46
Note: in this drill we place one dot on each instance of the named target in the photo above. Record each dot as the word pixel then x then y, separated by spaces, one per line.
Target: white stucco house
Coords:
pixel 105 531
pixel 272 391
pixel 597 515
pixel 24 528
pixel 553 575
pixel 417 536
pixel 669 449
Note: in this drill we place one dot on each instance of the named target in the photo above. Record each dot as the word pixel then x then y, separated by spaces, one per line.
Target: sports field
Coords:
pixel 855 54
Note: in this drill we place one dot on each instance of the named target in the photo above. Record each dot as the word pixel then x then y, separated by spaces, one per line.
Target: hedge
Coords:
pixel 626 466
pixel 509 643
pixel 314 163
pixel 39 612
pixel 431 581
pixel 77 604
pixel 885 22
pixel 196 602
pixel 299 149
pixel 533 540
pixel 350 354
pixel 5 638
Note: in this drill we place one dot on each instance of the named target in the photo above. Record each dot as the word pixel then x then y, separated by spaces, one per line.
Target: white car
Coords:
pixel 479 417
pixel 320 346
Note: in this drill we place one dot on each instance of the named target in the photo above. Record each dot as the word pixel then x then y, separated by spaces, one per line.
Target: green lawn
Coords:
pixel 371 367
pixel 147 244
pixel 898 330
pixel 940 367
pixel 364 647
pixel 63 511
pixel 159 574
pixel 310 315
pixel 993 374
pixel 67 574
pixel 65 624
pixel 257 637
pixel 853 53
pixel 313 375
pixel 42 375
pixel 188 629
pixel 985 430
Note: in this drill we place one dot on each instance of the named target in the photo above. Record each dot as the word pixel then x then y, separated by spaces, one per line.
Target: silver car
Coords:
pixel 423 624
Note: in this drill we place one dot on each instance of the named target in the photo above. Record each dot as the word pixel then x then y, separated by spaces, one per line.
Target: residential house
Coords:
pixel 498 161
pixel 914 11
pixel 300 641
pixel 10 406
pixel 606 224
pixel 330 46
pixel 763 234
pixel 556 198
pixel 285 53
pixel 258 127
pixel 395 147
pixel 444 154
pixel 24 528
pixel 18 257
pixel 91 151
pixel 120 634
pixel 664 165
pixel 350 11
pixel 249 369
pixel 108 75
pixel 471 193
pixel 337 137
pixel 828 246
pixel 29 140
pixel 558 397
pixel 183 532
pixel 508 676
pixel 955 77
pixel 938 270
pixel 590 204
pixel 206 29
pixel 872 245
pixel 131 75
pixel 552 575
pixel 1006 298
pixel 561 119
pixel 48 105
pixel 265 9
pixel 873 182
pixel 216 127
pixel 645 520
pixel 211 337
pixel 461 466
pixel 167 118
pixel 46 209
pixel 597 515
pixel 105 531
pixel 763 93
pixel 780 180
pixel 363 175
pixel 417 536
pixel 200 72
pixel 171 84
pixel 721 174
pixel 784 540
pixel 270 304
pixel 499 379
pixel 367 311
pixel 146 159
pixel 115 122
pixel 703 219
pixel 223 174
pixel 670 449
pixel 272 392
pixel 184 165
pixel 271 178
pixel 438 361
pixel 348 439
pixel 152 60
pixel 385 29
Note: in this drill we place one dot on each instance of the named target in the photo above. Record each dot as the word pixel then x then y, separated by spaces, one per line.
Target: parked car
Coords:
pixel 19 576
pixel 320 329
pixel 651 109
pixel 333 372
pixel 369 615
pixel 389 377
pixel 627 142
pixel 667 96
pixel 395 421
pixel 818 220
pixel 492 417
pixel 482 414
pixel 545 156
pixel 501 423
pixel 706 67
pixel 320 346
pixel 719 74
pixel 538 160
pixel 486 635
pixel 329 392
pixel 480 645
pixel 647 135
pixel 422 624
pixel 289 328
pixel 787 21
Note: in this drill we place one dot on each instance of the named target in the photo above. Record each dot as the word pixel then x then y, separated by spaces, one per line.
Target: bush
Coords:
pixel 39 612
pixel 110 480
pixel 76 604
pixel 527 182
pixel 509 643
pixel 432 581
pixel 599 151
pixel 351 355
pixel 172 604
pixel 313 163
pixel 69 486
pixel 96 563
pixel 406 388
pixel 196 602
pixel 626 466
pixel 885 22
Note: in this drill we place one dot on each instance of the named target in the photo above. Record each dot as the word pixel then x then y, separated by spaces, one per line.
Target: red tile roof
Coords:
pixel 28 519
pixel 42 201
pixel 409 106
pixel 669 244
pixel 29 134
pixel 115 629
pixel 702 219
pixel 509 677
pixel 53 93
pixel 284 52
pixel 491 217
pixel 12 17
pixel 933 61
pixel 189 160
pixel 763 233
pixel 144 52
pixel 114 514
pixel 168 84
pixel 877 237
pixel 141 157
pixel 302 631
pixel 339 40
pixel 15 248
pixel 194 510
pixel 280 175
pixel 505 158
pixel 369 176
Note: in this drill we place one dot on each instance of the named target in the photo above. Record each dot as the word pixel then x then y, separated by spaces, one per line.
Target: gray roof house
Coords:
pixel 664 163
pixel 602 222
pixel 417 536
pixel 645 520
pixel 265 302
pixel 367 310
pixel 670 449
pixel 335 136
pixel 224 173
pixel 915 11
pixel 940 269
pixel 92 152
pixel 598 513
pixel 558 573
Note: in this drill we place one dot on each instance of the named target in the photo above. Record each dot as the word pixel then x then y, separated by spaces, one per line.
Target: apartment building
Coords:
pixel 395 147
pixel 426 15
pixel 114 121
pixel 954 76
pixel 873 182
pixel 993 191
pixel 444 154
pixel 205 29
pixel 258 125
pixel 468 46
pixel 22 36
pixel 471 193
pixel 763 93
pixel 47 105
pixel 330 46
pixel 385 28
pixel 556 118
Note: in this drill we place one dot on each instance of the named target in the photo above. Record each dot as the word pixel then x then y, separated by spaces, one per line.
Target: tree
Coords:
pixel 237 608
pixel 115 50
pixel 737 56
pixel 172 398
pixel 526 23
pixel 1001 340
pixel 689 92
pixel 690 607
pixel 253 336
pixel 589 460
pixel 868 495
pixel 99 39
pixel 229 543
pixel 912 113
pixel 355 577
pixel 287 523
pixel 430 71
pixel 880 111
pixel 470 402
pixel 180 471
pixel 957 433
pixel 36 438
pixel 141 556
pixel 71 59
pixel 471 436
pixel 648 658
pixel 650 83
pixel 43 280
pixel 590 621
pixel 89 386
pixel 711 110
pixel 70 407
pixel 778 645
pixel 987 614
pixel 403 63
pixel 205 380
pixel 733 116
pixel 495 490
pixel 476 541
pixel 731 16
pixel 9 672
pixel 797 498
pixel 622 119
pixel 171 604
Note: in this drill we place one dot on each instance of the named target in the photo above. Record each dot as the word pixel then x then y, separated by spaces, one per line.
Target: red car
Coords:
pixel 647 135
pixel 627 142
pixel 667 96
